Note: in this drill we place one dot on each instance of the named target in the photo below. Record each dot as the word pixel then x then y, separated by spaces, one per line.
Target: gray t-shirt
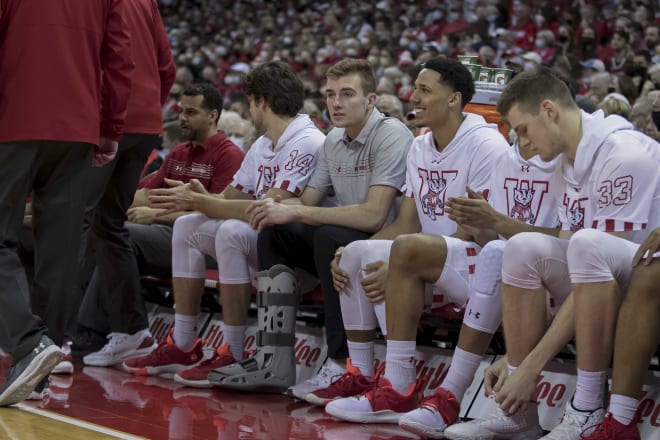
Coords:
pixel 347 169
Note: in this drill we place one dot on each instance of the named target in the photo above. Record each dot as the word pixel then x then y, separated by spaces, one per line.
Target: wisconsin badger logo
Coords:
pixel 524 198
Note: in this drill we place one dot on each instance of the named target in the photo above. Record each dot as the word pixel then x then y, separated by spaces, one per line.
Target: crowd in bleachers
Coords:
pixel 618 42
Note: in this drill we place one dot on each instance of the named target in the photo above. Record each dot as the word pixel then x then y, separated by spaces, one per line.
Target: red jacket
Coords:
pixel 54 54
pixel 154 68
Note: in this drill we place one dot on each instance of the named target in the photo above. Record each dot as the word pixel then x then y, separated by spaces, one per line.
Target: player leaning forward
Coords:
pixel 611 200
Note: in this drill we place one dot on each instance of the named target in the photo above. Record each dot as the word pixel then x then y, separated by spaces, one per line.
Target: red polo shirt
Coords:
pixel 54 54
pixel 154 68
pixel 213 163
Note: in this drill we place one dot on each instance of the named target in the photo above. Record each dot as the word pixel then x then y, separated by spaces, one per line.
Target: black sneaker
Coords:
pixel 25 375
pixel 87 341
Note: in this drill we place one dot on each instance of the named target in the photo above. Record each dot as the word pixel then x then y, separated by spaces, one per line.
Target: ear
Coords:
pixel 371 99
pixel 213 114
pixel 455 99
pixel 549 110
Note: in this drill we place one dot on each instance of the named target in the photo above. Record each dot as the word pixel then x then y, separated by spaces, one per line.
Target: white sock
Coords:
pixel 623 408
pixel 589 390
pixel 461 372
pixel 362 356
pixel 185 331
pixel 235 336
pixel 400 364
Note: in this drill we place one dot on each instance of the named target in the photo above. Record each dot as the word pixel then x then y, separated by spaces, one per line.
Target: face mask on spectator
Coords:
pixel 232 79
pixel 453 16
pixel 502 45
pixel 237 141
pixel 491 18
pixel 436 15
pixel 529 66
pixel 539 43
pixel 655 59
pixel 539 19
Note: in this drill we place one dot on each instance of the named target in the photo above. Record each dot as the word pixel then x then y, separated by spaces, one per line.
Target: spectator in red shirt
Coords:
pixel 523 26
pixel 48 135
pixel 208 157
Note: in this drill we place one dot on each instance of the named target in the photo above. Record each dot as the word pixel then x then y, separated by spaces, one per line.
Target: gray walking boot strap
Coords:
pixel 265 338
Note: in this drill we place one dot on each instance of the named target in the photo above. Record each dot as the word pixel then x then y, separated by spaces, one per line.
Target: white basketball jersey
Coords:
pixel 614 183
pixel 434 176
pixel 288 166
pixel 526 190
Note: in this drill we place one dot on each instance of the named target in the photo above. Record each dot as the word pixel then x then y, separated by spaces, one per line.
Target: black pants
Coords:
pixel 114 289
pixel 53 170
pixel 152 253
pixel 312 248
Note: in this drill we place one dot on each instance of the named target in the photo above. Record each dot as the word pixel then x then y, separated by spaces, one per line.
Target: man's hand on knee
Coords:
pixel 339 277
pixel 374 284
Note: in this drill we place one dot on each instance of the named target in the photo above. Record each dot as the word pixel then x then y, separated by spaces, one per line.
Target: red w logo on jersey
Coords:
pixel 575 211
pixel 524 198
pixel 432 191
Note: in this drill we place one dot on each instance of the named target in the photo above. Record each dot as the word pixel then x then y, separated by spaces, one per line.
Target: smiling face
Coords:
pixel 348 106
pixel 432 101
pixel 537 133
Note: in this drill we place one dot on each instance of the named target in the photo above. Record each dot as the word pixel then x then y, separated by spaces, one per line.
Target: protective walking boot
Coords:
pixel 272 368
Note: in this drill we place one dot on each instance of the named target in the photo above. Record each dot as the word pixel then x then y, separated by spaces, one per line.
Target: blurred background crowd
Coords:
pixel 609 51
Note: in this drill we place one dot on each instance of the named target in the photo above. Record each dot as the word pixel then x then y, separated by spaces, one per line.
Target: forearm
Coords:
pixel 507 227
pixel 393 230
pixel 221 208
pixel 560 333
pixel 361 217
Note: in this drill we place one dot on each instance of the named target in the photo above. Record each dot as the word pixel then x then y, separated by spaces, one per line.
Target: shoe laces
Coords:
pixel 441 401
pixel 114 339
pixel 158 354
pixel 606 430
pixel 327 374
pixel 220 353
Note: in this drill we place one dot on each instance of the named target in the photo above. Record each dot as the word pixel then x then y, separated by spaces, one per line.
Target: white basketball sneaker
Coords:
pixel 574 422
pixel 524 425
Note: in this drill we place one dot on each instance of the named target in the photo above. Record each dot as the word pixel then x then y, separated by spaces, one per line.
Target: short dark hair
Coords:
pixel 529 89
pixel 454 75
pixel 212 97
pixel 278 84
pixel 623 34
pixel 362 68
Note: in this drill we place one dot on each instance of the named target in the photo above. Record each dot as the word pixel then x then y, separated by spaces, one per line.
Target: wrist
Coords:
pixel 296 213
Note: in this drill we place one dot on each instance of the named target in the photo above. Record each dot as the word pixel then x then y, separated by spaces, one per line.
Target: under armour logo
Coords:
pixel 476 314
pixel 411 360
pixel 524 168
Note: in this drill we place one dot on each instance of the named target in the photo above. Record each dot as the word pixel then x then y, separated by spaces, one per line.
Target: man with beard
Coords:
pixel 207 156
pixel 278 165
